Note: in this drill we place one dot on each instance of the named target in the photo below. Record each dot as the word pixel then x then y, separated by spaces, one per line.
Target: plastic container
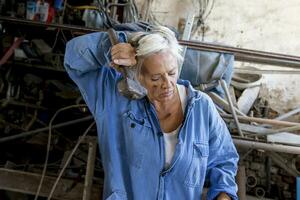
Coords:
pixel 42 9
pixel 30 10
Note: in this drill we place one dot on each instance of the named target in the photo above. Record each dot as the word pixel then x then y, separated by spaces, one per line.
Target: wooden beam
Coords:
pixel 25 182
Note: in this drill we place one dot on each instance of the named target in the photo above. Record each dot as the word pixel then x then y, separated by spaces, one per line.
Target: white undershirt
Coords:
pixel 171 138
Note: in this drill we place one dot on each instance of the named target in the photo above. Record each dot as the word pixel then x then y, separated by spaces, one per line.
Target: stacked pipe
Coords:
pixel 265 179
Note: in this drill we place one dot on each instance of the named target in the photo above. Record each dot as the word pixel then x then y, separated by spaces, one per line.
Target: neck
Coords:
pixel 167 108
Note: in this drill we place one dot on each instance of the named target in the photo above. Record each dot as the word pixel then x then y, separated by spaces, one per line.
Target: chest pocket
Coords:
pixel 137 130
pixel 197 170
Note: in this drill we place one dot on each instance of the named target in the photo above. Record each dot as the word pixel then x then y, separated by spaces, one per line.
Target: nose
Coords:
pixel 166 82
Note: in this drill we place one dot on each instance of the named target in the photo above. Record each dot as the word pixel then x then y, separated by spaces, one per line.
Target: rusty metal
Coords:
pixel 259 192
pixel 266 146
pixel 241 182
pixel 251 181
pixel 220 101
pixel 81 139
pixel 247 55
pixel 280 161
pixel 88 182
pixel 224 86
pixel 243 55
pixel 25 182
pixel 261 120
pixel 48 25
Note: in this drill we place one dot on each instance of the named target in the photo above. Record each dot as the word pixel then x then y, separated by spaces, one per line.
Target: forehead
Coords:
pixel 160 62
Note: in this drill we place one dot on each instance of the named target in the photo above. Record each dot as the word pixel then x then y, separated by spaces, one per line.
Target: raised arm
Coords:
pixel 87 61
pixel 222 160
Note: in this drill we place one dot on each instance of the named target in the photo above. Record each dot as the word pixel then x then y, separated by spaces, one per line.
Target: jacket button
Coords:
pixel 132 125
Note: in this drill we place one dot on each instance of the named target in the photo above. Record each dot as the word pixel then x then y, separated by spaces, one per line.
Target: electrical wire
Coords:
pixel 55 41
pixel 205 9
pixel 64 9
pixel 49 143
pixel 69 159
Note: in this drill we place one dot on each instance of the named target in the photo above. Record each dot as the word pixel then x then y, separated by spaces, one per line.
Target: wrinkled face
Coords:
pixel 159 76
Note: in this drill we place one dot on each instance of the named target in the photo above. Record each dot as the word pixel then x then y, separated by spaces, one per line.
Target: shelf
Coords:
pixel 14 20
pixel 34 66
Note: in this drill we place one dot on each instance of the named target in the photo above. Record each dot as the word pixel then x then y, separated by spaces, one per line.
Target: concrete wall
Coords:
pixel 258 24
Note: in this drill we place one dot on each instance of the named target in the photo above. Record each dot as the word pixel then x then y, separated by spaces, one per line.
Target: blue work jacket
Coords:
pixel 131 141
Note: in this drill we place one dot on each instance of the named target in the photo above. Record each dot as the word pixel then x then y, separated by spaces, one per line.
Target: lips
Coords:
pixel 167 94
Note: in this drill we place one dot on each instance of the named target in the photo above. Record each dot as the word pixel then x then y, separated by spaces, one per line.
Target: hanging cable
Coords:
pixel 68 160
pixel 49 145
pixel 205 9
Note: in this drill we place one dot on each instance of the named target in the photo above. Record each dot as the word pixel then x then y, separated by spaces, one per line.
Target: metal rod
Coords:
pixel 88 182
pixel 28 133
pixel 244 55
pixel 46 25
pixel 274 131
pixel 220 101
pixel 224 86
pixel 266 146
pixel 262 131
pixel 239 52
pixel 281 162
pixel 265 71
pixel 261 120
pixel 241 182
pixel 288 114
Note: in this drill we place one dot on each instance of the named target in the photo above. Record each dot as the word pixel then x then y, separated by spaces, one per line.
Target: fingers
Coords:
pixel 123 54
pixel 125 62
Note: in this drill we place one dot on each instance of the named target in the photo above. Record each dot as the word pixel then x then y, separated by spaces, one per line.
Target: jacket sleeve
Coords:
pixel 223 158
pixel 86 60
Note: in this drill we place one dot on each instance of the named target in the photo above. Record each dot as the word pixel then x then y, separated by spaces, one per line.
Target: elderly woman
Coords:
pixel 164 145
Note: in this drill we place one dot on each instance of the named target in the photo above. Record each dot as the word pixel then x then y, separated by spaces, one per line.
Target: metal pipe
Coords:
pixel 247 55
pixel 259 192
pixel 220 101
pixel 241 182
pixel 274 131
pixel 46 25
pixel 28 133
pixel 261 120
pixel 244 55
pixel 262 131
pixel 228 49
pixel 263 71
pixel 266 146
pixel 251 181
pixel 88 182
pixel 224 86
pixel 282 163
pixel 288 114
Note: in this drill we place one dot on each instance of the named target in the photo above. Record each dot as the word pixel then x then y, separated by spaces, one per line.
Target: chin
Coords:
pixel 167 96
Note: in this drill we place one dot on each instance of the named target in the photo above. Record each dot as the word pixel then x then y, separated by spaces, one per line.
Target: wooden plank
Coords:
pixel 25 182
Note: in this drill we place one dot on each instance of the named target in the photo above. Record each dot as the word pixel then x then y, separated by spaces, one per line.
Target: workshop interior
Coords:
pixel 242 54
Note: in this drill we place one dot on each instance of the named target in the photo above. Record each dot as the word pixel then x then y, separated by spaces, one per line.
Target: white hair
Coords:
pixel 159 39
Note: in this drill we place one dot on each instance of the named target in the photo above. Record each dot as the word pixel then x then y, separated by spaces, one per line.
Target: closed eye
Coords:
pixel 155 78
